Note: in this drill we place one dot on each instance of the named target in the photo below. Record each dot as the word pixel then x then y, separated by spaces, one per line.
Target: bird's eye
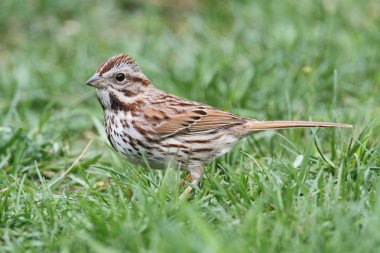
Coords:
pixel 120 77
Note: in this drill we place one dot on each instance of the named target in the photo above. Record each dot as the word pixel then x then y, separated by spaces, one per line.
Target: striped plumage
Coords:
pixel 141 120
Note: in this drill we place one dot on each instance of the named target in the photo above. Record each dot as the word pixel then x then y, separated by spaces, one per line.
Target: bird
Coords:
pixel 142 121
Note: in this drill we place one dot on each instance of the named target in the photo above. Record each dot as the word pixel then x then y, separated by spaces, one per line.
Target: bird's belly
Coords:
pixel 180 151
pixel 196 150
pixel 169 153
pixel 137 151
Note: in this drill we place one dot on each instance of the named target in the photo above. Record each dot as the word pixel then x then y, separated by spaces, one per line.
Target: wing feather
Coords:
pixel 197 119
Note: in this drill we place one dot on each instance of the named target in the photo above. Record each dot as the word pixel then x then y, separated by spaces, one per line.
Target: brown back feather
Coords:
pixel 198 119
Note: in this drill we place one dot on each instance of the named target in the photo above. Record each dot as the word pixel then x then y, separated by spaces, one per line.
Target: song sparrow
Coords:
pixel 141 120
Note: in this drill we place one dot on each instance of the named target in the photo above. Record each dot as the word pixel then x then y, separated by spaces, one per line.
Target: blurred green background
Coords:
pixel 289 60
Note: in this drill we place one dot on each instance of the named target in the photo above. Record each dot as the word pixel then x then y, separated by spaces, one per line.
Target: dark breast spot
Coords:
pixel 143 145
pixel 125 123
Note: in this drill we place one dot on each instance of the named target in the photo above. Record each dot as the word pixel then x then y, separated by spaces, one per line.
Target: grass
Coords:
pixel 285 191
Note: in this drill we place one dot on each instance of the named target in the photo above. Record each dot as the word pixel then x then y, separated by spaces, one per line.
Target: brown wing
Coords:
pixel 197 119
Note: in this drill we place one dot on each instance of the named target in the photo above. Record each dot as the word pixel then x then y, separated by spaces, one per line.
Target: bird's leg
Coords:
pixel 196 175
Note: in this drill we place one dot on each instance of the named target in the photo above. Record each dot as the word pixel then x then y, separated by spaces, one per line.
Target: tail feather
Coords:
pixel 263 125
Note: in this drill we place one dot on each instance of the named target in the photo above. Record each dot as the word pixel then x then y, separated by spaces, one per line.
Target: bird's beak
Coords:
pixel 94 81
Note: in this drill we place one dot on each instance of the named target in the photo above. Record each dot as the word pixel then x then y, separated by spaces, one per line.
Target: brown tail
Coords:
pixel 263 125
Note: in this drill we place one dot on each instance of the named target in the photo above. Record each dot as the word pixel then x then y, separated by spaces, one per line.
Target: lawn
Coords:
pixel 63 188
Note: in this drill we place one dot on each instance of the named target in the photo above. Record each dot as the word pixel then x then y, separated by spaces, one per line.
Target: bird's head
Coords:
pixel 118 78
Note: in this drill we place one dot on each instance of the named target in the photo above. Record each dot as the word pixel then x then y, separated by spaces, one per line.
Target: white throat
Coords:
pixel 104 97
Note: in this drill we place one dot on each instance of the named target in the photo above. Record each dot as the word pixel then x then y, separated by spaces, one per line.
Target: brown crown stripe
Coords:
pixel 116 60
